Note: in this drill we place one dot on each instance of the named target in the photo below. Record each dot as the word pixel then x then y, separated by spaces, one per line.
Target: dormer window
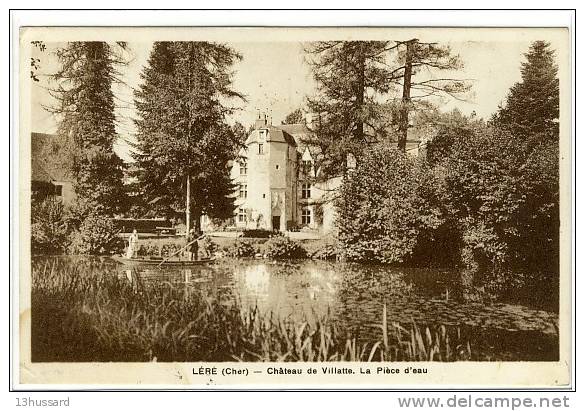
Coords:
pixel 307 165
pixel 261 135
pixel 243 168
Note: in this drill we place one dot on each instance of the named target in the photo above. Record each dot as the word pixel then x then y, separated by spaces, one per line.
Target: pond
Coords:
pixel 354 295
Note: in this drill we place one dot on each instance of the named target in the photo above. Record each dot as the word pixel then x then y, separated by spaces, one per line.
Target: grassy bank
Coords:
pixel 78 316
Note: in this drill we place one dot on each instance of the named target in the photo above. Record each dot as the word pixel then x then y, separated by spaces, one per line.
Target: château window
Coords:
pixel 307 165
pixel 241 215
pixel 243 168
pixel 306 216
pixel 260 148
pixel 243 190
pixel 306 190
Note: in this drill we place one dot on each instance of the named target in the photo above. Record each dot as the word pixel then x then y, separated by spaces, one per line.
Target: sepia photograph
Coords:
pixel 392 196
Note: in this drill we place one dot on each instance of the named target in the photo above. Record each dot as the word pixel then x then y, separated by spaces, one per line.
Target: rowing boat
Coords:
pixel 156 261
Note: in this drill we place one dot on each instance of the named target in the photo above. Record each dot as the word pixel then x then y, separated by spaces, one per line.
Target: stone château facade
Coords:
pixel 276 188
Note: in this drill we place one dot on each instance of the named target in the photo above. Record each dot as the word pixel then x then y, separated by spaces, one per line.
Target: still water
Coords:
pixel 355 294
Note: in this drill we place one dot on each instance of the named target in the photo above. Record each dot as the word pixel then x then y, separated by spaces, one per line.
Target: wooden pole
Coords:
pixel 178 251
pixel 188 207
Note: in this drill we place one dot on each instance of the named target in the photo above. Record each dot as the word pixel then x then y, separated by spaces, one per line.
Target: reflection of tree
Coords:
pixel 285 268
pixel 362 292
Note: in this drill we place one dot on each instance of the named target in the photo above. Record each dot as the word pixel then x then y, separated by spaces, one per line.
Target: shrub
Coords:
pixel 166 250
pixel 209 246
pixel 241 249
pixel 96 235
pixel 76 213
pixel 326 252
pixel 49 232
pixel 283 247
pixel 257 233
pixel 386 206
pixel 502 195
pixel 503 191
pixel 149 248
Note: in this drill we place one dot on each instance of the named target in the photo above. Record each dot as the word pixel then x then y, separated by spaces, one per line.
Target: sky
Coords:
pixel 275 79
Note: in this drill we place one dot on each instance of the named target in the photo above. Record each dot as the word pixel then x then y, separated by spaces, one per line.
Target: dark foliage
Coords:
pixel 350 75
pixel 181 129
pixel 257 233
pixel 283 247
pixel 503 192
pixel 294 117
pixel 96 235
pixel 49 231
pixel 384 207
pixel 241 249
pixel 85 103
pixel 532 106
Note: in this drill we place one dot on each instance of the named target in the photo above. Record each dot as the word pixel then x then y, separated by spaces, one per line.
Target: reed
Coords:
pixel 80 316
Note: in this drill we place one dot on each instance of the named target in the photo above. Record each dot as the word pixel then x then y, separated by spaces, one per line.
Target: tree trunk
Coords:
pixel 359 132
pixel 188 207
pixel 404 110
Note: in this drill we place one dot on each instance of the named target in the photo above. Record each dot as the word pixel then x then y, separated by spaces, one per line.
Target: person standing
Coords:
pixel 193 245
pixel 132 244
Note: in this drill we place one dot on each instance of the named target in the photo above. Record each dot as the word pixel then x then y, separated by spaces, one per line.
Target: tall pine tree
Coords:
pixel 350 76
pixel 85 105
pixel 363 83
pixel 183 143
pixel 417 64
pixel 532 105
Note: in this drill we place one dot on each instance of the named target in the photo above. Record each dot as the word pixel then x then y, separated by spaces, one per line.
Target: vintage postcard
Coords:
pixel 295 207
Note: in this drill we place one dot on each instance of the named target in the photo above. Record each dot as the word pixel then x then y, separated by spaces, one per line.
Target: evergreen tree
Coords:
pixel 184 146
pixel 416 59
pixel 532 105
pixel 294 117
pixel 350 76
pixel 240 132
pixel 367 91
pixel 85 104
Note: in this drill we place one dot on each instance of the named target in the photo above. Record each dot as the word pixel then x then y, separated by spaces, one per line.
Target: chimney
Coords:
pixel 260 122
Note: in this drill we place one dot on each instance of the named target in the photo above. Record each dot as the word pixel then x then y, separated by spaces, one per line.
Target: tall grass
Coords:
pixel 79 316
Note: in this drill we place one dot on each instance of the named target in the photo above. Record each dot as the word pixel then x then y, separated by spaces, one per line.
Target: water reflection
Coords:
pixel 352 294
pixel 255 279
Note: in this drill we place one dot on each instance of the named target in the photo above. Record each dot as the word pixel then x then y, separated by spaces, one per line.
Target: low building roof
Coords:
pixel 44 166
